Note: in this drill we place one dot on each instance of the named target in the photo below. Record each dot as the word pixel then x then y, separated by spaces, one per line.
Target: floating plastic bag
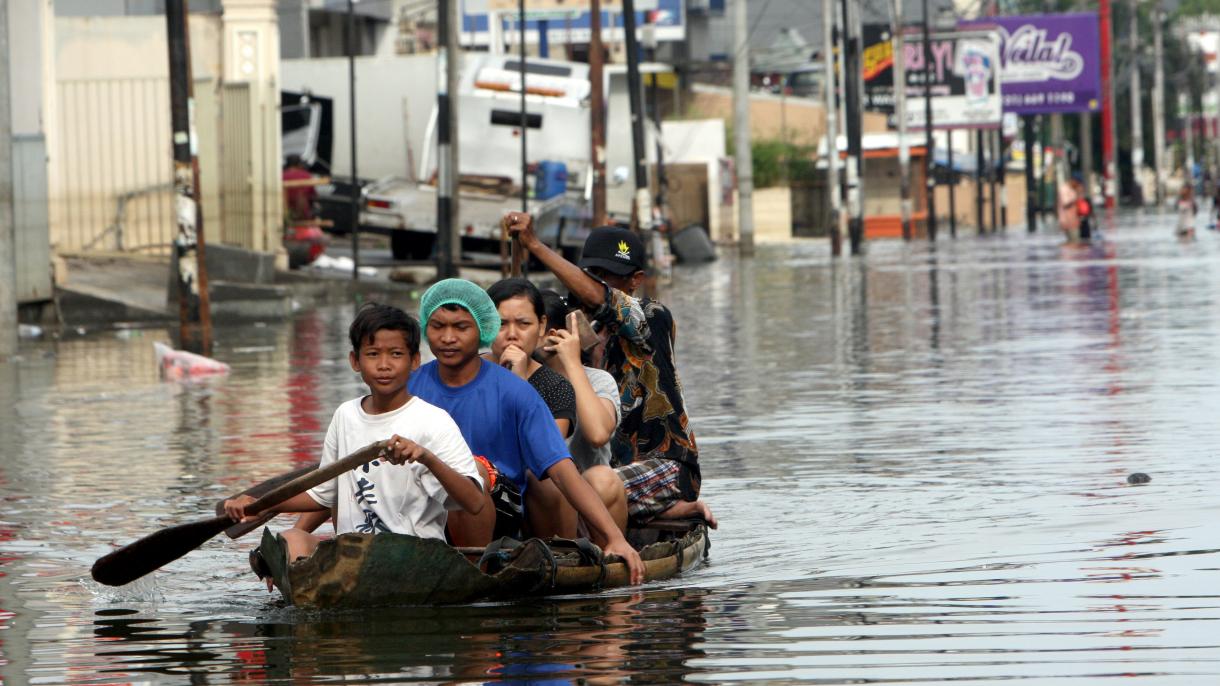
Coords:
pixel 180 364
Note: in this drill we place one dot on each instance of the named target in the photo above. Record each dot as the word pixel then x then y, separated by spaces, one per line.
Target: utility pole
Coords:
pixel 448 62
pixel 650 46
pixel 1086 152
pixel 8 264
pixel 952 184
pixel 597 114
pixel 741 127
pixel 1108 159
pixel 1188 133
pixel 1137 118
pixel 980 165
pixel 993 147
pixel 642 207
pixel 855 135
pixel 351 109
pixel 832 124
pixel 1158 101
pixel 930 139
pixel 900 112
pixel 194 307
pixel 517 252
pixel 1031 193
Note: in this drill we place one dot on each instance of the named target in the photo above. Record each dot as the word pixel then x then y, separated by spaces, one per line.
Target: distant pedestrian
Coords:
pixel 1215 210
pixel 1187 209
pixel 1069 211
pixel 299 193
pixel 1084 209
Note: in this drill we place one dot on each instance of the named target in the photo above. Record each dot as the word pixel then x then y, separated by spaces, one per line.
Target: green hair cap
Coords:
pixel 468 296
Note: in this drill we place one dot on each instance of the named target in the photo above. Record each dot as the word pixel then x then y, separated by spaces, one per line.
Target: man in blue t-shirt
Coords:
pixel 503 419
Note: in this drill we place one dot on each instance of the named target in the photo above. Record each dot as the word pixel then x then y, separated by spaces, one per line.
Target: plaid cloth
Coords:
pixel 652 487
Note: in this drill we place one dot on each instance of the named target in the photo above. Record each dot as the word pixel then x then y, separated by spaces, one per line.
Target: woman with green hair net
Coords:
pixel 509 428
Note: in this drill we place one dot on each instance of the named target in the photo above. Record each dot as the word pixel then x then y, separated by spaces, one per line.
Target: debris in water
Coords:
pixel 1138 478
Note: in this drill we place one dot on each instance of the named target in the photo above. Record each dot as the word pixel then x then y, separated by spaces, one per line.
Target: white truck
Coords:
pixel 489 145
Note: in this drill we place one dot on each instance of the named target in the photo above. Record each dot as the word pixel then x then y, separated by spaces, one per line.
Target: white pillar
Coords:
pixel 252 55
pixel 8 279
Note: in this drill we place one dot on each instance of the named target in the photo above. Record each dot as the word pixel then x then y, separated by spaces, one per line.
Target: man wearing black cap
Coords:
pixel 662 475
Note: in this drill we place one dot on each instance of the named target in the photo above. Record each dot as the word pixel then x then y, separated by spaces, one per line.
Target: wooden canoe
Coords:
pixel 365 570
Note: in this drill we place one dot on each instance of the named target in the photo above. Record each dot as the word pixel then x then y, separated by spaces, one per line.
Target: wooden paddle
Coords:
pixel 138 558
pixel 259 490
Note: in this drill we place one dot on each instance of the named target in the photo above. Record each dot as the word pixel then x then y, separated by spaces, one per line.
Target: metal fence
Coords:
pixel 114 169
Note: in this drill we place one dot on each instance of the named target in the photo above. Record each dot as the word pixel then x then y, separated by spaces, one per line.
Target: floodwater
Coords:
pixel 919 460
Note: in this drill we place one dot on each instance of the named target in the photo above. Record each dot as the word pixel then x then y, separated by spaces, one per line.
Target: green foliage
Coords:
pixel 1193 8
pixel 777 162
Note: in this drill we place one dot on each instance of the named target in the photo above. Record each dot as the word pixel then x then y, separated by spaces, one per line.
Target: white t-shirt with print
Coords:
pixel 380 497
pixel 584 454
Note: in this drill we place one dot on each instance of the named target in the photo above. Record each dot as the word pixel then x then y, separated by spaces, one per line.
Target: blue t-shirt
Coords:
pixel 502 418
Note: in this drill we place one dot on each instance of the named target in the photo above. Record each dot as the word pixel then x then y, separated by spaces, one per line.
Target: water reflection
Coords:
pixel 589 640
pixel 921 457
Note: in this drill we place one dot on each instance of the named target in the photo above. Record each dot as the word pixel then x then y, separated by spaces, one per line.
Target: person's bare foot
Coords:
pixel 690 508
pixel 706 513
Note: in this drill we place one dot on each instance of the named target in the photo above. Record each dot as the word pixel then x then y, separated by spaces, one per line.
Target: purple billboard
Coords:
pixel 1050 62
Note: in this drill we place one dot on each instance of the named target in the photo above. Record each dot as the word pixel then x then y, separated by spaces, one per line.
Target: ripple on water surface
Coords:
pixel 919 460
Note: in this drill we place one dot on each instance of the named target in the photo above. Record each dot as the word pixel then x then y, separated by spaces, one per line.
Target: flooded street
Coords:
pixel 919 460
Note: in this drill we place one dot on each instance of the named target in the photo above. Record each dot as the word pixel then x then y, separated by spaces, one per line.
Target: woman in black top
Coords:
pixel 523 324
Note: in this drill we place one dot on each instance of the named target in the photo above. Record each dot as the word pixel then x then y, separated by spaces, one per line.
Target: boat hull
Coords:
pixel 365 570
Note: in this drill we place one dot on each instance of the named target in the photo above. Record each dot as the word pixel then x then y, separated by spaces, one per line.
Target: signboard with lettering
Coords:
pixel 1050 62
pixel 963 80
pixel 567 21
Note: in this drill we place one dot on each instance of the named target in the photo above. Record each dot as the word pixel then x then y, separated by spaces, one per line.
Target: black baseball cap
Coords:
pixel 618 251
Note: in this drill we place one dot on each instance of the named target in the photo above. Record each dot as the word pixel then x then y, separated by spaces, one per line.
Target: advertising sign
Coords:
pixel 878 68
pixel 1051 63
pixel 963 81
pixel 567 21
